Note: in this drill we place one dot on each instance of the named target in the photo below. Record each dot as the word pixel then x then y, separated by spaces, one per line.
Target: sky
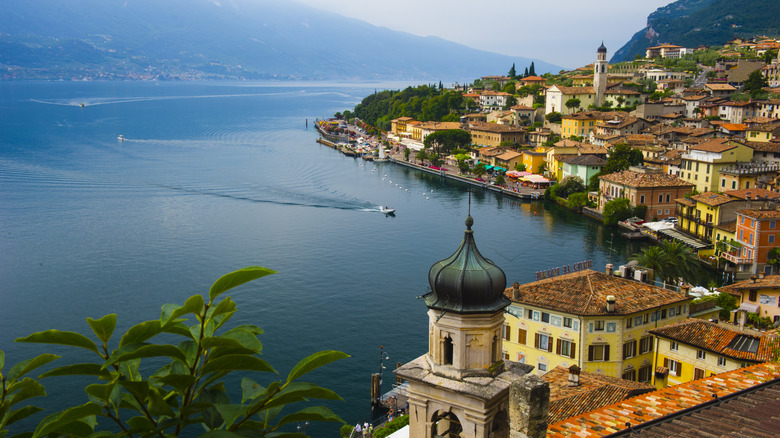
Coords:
pixel 562 32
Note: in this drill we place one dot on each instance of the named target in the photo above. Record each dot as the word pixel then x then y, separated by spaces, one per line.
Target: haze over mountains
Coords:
pixel 231 39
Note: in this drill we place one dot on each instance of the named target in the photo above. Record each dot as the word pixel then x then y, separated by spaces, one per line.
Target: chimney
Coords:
pixel 574 375
pixel 610 268
pixel 516 291
pixel 529 406
pixel 761 275
pixel 611 303
pixel 752 278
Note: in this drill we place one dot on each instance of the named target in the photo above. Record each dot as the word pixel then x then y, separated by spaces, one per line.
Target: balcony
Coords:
pixel 734 257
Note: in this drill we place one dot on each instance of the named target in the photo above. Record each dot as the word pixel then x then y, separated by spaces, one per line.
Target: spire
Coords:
pixel 602 48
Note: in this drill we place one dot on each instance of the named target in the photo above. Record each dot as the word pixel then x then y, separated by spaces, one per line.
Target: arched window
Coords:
pixel 446 424
pixel 448 351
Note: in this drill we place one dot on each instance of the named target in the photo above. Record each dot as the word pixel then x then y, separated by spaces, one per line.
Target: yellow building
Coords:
pixel 758 295
pixel 699 215
pixel 694 349
pixel 399 126
pixel 493 134
pixel 534 159
pixel 762 133
pixel 597 321
pixel 701 165
pixel 580 124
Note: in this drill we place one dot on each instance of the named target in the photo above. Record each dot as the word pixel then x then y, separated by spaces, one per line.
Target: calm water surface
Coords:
pixel 214 177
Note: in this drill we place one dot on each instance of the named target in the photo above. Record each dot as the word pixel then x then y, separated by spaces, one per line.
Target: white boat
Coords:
pixel 386 210
pixel 121 137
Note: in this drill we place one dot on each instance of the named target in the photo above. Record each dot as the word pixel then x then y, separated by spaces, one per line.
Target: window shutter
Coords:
pixel 521 336
pixel 550 344
pixel 558 347
pixel 625 350
pixel 536 340
pixel 606 353
pixel 573 350
pixel 666 362
pixel 590 353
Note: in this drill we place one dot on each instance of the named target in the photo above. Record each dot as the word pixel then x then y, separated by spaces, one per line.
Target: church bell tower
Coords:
pixel 600 75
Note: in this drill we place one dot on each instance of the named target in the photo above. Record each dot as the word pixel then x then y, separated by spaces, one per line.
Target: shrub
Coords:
pixel 391 427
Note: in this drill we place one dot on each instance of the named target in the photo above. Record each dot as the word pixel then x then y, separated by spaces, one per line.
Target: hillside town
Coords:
pixel 591 351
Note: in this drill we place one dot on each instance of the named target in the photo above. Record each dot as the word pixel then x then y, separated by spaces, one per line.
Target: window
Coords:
pixel 668 197
pixel 771 238
pixel 733 185
pixel 529 314
pixel 645 373
pixel 598 326
pixel 629 349
pixel 701 354
pixel 521 334
pixel 645 344
pixel 663 314
pixel 645 318
pixel 772 224
pixel 674 346
pixel 565 348
pixel 598 353
pixel 542 367
pixel 545 317
pixel 698 373
pixel 752 295
pixel 629 375
pixel 660 198
pixel 673 365
pixel 642 199
pixel 507 332
pixel 721 361
pixel 543 342
pixel 567 322
pixel 666 211
pixel 629 322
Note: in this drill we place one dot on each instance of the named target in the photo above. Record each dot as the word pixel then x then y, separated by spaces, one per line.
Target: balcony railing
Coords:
pixel 734 257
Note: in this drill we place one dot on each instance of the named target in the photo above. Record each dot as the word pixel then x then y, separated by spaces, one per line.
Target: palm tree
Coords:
pixel 682 261
pixel 652 258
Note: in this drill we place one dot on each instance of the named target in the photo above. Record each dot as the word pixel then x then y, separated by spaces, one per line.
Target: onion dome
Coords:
pixel 466 282
pixel 601 48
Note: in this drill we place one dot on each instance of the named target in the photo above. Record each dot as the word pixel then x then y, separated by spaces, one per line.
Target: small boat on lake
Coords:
pixel 386 210
pixel 120 137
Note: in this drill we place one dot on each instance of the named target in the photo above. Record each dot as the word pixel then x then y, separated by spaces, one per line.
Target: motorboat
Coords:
pixel 386 210
pixel 121 137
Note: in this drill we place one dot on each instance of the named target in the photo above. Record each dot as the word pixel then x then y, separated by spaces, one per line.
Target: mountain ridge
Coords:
pixel 691 23
pixel 238 39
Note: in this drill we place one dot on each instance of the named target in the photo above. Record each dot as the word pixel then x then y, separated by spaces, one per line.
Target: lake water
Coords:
pixel 213 177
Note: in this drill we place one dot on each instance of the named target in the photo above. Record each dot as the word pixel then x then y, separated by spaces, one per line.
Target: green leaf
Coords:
pixel 25 389
pixel 314 413
pixel 140 424
pixel 235 362
pixel 140 333
pixel 54 422
pixel 178 381
pixel 313 362
pixel 237 278
pixel 139 390
pixel 178 328
pixel 103 327
pixel 21 414
pixel 61 338
pixel 79 369
pixel 300 391
pixel 139 351
pixel 220 434
pixel 227 305
pixel 2 360
pixel 158 405
pixel 28 365
pixel 230 413
pixel 100 392
pixel 194 304
pixel 250 389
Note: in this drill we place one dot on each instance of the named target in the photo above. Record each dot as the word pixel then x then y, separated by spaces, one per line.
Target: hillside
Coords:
pixel 691 23
pixel 237 39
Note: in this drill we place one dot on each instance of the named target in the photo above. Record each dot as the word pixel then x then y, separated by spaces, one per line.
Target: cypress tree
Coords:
pixel 532 71
pixel 525 75
pixel 512 71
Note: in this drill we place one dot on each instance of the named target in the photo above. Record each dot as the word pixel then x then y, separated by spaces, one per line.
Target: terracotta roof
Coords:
pixel 768 282
pixel 573 90
pixel 674 399
pixel 594 391
pixel 719 339
pixel 720 87
pixel 754 193
pixel 715 145
pixel 712 199
pixel 508 155
pixel 585 293
pixel 635 179
pixel 727 226
pixel 769 146
pixel 685 201
pixel 734 126
pixel 495 127
pixel 760 214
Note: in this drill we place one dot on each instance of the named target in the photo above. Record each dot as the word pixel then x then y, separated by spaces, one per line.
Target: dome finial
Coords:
pixel 469 222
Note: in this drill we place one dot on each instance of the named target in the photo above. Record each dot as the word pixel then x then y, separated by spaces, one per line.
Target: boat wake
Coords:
pixel 94 101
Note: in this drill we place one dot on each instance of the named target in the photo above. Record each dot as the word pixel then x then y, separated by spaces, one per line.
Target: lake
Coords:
pixel 213 177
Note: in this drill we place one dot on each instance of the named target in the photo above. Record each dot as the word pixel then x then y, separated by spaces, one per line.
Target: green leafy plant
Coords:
pixel 187 393
pixel 391 427
pixel 15 388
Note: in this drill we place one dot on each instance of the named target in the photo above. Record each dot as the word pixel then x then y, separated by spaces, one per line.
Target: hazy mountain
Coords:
pixel 691 23
pixel 252 39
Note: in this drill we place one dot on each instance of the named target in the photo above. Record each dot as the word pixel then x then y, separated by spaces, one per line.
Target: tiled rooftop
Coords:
pixel 712 199
pixel 718 339
pixel 635 179
pixel 594 391
pixel 671 400
pixel 754 193
pixel 715 145
pixel 760 214
pixel 585 293
pixel 768 282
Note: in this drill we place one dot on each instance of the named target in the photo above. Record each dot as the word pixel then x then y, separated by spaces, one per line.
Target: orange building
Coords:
pixel 757 231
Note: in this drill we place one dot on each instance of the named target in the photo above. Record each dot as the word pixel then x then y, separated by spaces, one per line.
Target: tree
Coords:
pixel 531 70
pixel 573 103
pixel 670 261
pixel 421 155
pixel 553 117
pixel 755 84
pixel 773 257
pixel 616 210
pixel 653 258
pixel 512 72
pixel 479 169
pixel 500 179
pixel 187 394
pixel 448 140
pixel 406 154
pixel 463 166
pixel 525 73
pixel 621 157
pixel 569 185
pixel 578 200
pixel 520 167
